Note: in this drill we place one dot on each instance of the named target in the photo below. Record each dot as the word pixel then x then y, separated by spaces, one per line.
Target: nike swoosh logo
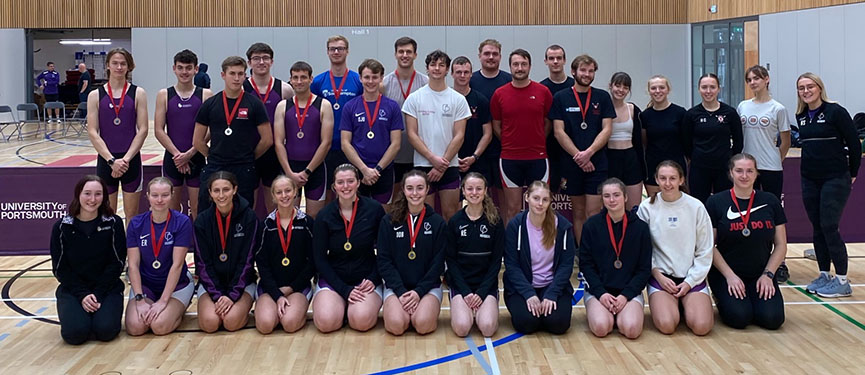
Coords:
pixel 735 215
pixel 358 114
pixel 397 228
pixel 144 236
pixel 464 226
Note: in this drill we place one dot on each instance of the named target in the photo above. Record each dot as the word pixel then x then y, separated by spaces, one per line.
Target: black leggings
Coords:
pixel 824 202
pixel 77 325
pixel 703 182
pixel 524 322
pixel 739 313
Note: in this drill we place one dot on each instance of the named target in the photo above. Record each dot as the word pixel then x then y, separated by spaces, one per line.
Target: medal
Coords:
pixel 117 106
pixel 370 119
pixel 336 91
pixel 229 116
pixel 349 224
pixel 223 233
pixel 284 239
pixel 301 118
pixel 405 93
pixel 415 230
pixel 336 106
pixel 158 243
pixel 617 248
pixel 258 92
pixel 746 218
pixel 583 125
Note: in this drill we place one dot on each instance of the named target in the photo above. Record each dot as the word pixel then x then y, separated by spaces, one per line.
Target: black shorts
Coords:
pixel 495 177
pixel 382 190
pixel 247 182
pixel 624 165
pixel 450 179
pixel 481 166
pixel 193 179
pixel 400 169
pixel 334 158
pixel 267 167
pixel 316 183
pixel 132 180
pixel 652 165
pixel 521 173
pixel 52 97
pixel 575 182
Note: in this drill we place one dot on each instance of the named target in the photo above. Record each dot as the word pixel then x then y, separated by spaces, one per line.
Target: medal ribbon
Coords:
pixel 229 117
pixel 405 93
pixel 746 217
pixel 223 232
pixel 284 239
pixel 337 91
pixel 350 223
pixel 617 249
pixel 158 244
pixel 257 92
pixel 301 118
pixel 579 103
pixel 117 106
pixel 370 119
pixel 416 226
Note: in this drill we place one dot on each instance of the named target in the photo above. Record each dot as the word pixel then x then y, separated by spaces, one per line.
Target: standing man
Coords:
pixel 519 112
pixel 436 124
pixel 83 85
pixel 486 81
pixel 371 130
pixel 555 59
pixel 239 132
pixel 271 91
pixel 338 85
pixel 48 82
pixel 302 131
pixel 479 132
pixel 174 124
pixel 202 79
pixel 583 121
pixel 398 85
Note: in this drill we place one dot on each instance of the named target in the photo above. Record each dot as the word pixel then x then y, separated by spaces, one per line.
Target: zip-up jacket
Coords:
pixel 394 245
pixel 712 138
pixel 518 259
pixel 824 139
pixel 474 255
pixel 87 262
pixel 269 257
pixel 597 256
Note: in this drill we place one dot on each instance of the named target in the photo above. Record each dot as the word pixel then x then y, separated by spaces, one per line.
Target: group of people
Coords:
pixel 340 140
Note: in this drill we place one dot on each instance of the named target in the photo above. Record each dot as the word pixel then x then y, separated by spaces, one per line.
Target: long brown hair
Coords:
pixel 672 164
pixel 549 224
pixel 104 207
pixel 399 207
pixel 490 211
pixel 130 62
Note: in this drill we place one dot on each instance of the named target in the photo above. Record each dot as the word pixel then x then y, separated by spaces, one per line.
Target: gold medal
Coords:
pixel 223 257
pixel 285 262
pixel 347 246
pixel 412 255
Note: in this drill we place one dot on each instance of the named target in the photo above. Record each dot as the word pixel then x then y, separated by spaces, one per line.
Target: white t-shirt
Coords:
pixel 393 90
pixel 682 237
pixel 436 112
pixel 761 123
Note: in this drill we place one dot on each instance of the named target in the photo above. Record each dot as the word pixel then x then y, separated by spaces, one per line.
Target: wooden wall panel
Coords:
pixel 698 10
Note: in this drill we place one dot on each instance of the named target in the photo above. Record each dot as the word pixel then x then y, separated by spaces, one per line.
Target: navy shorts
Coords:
pixel 521 173
pixel 399 169
pixel 193 179
pixel 316 183
pixel 382 190
pixel 267 167
pixel 132 180
pixel 575 182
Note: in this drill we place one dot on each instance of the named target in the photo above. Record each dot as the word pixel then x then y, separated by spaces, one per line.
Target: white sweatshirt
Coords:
pixel 682 237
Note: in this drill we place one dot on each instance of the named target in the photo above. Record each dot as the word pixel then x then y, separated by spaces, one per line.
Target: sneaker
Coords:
pixel 809 254
pixel 835 289
pixel 818 283
pixel 782 274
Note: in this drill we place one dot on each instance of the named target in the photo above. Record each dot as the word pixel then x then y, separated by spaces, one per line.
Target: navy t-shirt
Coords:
pixel 480 108
pixel 566 108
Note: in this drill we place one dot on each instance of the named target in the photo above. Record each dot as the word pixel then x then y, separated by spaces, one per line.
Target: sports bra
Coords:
pixel 623 131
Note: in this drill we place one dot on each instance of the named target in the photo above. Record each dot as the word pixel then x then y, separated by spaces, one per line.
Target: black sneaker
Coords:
pixel 783 273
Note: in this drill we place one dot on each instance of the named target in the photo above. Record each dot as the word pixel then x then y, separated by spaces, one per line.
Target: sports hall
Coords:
pixel 41 160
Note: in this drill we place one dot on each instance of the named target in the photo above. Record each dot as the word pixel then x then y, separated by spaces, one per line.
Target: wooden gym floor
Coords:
pixel 818 336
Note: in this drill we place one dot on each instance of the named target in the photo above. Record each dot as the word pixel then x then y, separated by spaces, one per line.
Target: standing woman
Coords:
pixel 625 147
pixel 831 154
pixel 117 113
pixel 284 260
pixel 344 254
pixel 476 242
pixel 764 120
pixel 681 254
pixel 411 259
pixel 539 260
pixel 88 249
pixel 712 135
pixel 225 235
pixel 161 285
pixel 616 261
pixel 662 130
pixel 749 248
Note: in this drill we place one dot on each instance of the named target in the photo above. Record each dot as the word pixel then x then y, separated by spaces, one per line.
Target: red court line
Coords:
pixel 72 161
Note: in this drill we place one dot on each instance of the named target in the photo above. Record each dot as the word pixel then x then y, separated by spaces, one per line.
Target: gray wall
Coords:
pixel 641 50
pixel 827 41
pixel 13 84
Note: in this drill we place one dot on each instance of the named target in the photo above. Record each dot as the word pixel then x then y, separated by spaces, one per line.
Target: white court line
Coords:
pixel 491 353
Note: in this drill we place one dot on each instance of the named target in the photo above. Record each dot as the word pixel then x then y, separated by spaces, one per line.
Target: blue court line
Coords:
pixel 474 349
pixel 48 137
pixel 23 322
pixel 3 336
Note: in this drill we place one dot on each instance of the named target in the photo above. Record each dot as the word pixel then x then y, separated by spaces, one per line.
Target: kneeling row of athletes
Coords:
pixel 668 245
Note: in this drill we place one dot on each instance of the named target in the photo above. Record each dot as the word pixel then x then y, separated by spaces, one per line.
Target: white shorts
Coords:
pixel 183 295
pixel 322 284
pixel 638 298
pixel 306 292
pixel 437 292
pixel 250 289
pixel 651 289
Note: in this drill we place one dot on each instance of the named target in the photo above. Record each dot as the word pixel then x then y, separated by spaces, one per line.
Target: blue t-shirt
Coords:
pixel 321 86
pixel 354 120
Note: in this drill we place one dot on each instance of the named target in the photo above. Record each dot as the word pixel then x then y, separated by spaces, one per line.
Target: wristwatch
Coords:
pixel 307 171
pixel 378 168
pixel 111 161
pixel 139 297
pixel 770 274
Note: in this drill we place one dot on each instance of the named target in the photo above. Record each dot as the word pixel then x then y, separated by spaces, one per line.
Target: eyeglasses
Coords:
pixel 257 59
pixel 337 49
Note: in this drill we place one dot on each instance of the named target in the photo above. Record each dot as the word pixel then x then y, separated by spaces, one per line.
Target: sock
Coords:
pixel 824 273
pixel 842 279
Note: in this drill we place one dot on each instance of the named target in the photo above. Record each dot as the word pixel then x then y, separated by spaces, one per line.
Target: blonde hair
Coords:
pixel 649 86
pixel 336 38
pixel 490 211
pixel 281 177
pixel 801 105
pixel 160 180
pixel 549 225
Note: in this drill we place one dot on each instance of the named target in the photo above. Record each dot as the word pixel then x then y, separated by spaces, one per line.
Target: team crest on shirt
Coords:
pixel 474 111
pixel 238 230
pixel 243 114
pixel 821 118
pixel 751 120
pixel 382 113
pixel 446 108
pixel 484 231
pixel 720 118
pixel 169 238
pixel 673 221
pixel 427 228
pixel 744 120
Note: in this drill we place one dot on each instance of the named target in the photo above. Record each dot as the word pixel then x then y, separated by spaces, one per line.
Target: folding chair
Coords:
pixel 79 118
pixel 7 118
pixel 28 109
pixel 54 105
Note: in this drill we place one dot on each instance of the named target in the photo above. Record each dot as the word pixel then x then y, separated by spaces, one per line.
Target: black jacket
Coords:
pixel 518 259
pixel 227 278
pixel 474 255
pixel 394 244
pixel 269 256
pixel 88 263
pixel 830 146
pixel 597 256
pixel 712 138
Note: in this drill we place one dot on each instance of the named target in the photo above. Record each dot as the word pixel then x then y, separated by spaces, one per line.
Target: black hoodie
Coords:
pixel 474 255
pixel 269 256
pixel 202 79
pixel 597 256
pixel 422 273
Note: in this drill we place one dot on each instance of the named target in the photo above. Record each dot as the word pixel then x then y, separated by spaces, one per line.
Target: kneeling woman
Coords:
pixel 226 234
pixel 749 249
pixel 476 241
pixel 344 254
pixel 681 254
pixel 616 261
pixel 284 260
pixel 88 247
pixel 411 259
pixel 539 260
pixel 161 285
